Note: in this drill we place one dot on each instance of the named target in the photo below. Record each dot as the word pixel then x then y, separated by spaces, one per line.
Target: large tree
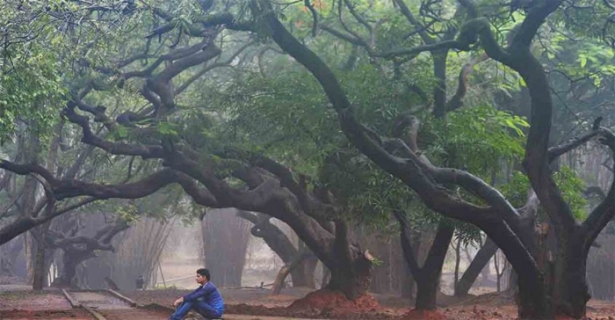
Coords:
pixel 539 296
pixel 236 177
pixel 264 185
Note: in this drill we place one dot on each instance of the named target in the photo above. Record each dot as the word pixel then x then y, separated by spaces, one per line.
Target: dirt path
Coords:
pixel 52 305
pixel 44 315
pixel 26 305
pixel 99 300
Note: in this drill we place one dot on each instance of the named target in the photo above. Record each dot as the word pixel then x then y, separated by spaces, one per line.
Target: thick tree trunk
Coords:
pixel 30 256
pixel 533 301
pixel 70 260
pixel 428 279
pixel 303 274
pixel 38 278
pixel 68 273
pixel 352 280
pixel 225 240
pixel 570 290
pixel 482 258
pixel 426 293
pixel 350 266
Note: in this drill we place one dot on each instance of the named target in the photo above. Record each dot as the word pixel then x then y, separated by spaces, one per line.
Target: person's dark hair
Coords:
pixel 204 272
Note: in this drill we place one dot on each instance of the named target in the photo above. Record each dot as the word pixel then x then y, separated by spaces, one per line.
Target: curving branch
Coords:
pixel 177 54
pixel 410 17
pixel 348 38
pixel 207 52
pixel 470 7
pixel 208 68
pixel 456 101
pixel 314 13
pixel 605 211
pixel 255 199
pixel 555 152
pixel 406 242
pixel 536 16
pixel 60 189
pixel 409 170
pixel 271 234
pixel 116 148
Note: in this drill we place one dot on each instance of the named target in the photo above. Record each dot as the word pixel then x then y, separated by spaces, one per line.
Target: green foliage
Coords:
pixel 268 104
pixel 569 183
pixel 128 212
pixel 572 188
pixel 476 138
pixel 516 190
pixel 31 90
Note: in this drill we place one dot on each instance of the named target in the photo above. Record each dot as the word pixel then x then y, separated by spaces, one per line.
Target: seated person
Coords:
pixel 206 299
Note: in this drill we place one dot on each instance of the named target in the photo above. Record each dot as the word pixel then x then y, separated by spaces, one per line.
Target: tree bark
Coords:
pixel 225 240
pixel 278 284
pixel 353 280
pixel 38 278
pixel 71 260
pixel 570 290
pixel 350 266
pixel 303 274
pixel 30 256
pixel 480 261
pixel 428 279
pixel 457 262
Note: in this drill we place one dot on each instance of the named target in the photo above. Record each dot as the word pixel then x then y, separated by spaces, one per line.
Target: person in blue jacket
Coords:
pixel 206 299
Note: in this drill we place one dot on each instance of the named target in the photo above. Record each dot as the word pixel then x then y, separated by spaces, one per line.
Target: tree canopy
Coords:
pixel 425 107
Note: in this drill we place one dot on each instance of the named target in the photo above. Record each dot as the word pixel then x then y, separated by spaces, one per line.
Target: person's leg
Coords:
pixel 206 310
pixel 181 311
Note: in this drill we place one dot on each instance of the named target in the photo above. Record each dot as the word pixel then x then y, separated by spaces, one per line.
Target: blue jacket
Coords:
pixel 209 294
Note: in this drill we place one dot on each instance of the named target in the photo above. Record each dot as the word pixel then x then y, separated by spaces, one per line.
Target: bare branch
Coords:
pixel 349 38
pixel 357 16
pixel 557 151
pixel 309 5
pixel 420 28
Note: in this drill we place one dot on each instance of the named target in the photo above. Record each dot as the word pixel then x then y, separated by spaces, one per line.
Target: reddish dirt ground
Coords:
pixel 23 305
pixel 44 315
pixel 33 301
pixel 257 304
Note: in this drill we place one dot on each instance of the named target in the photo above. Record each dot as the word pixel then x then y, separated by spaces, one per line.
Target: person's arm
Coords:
pixel 200 292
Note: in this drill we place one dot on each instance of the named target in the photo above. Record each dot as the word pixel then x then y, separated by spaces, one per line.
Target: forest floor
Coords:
pixel 252 304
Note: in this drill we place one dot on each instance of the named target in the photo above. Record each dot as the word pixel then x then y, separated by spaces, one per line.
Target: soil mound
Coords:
pixel 327 299
pixel 323 303
pixel 424 315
